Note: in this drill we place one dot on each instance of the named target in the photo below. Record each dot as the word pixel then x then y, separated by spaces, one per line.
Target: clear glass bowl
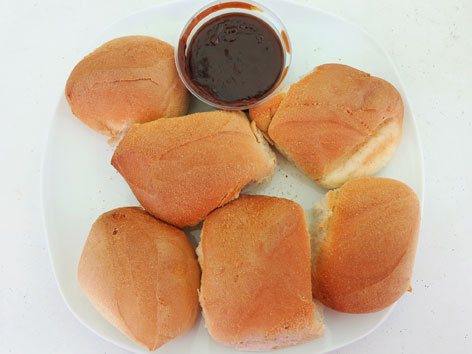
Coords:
pixel 218 8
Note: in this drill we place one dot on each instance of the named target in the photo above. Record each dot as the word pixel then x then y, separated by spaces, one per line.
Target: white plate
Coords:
pixel 78 182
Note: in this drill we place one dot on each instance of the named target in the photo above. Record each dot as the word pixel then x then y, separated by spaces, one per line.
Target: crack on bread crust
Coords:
pixel 263 114
pixel 125 80
pixel 264 146
pixel 221 131
pixel 322 211
pixel 364 159
pixel 343 108
pixel 199 253
pixel 161 156
pixel 232 194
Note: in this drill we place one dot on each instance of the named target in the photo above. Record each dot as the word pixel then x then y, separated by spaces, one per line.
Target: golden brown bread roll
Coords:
pixel 180 169
pixel 335 124
pixel 127 80
pixel 364 243
pixel 141 275
pixel 256 289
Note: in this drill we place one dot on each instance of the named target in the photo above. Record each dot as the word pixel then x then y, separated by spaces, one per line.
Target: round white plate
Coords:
pixel 79 184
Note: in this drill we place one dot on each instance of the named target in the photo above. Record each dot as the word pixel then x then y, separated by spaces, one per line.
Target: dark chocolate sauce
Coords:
pixel 234 58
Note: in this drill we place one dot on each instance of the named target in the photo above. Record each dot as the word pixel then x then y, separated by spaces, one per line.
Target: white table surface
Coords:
pixel 430 41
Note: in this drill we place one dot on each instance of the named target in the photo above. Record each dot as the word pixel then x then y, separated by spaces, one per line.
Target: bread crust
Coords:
pixel 365 259
pixel 180 169
pixel 256 289
pixel 141 275
pixel 327 116
pixel 127 80
pixel 262 115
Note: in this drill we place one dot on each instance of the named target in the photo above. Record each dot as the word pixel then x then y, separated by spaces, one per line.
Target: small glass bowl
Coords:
pixel 218 8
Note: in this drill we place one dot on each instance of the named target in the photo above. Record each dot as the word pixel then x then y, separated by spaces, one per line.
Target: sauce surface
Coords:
pixel 234 58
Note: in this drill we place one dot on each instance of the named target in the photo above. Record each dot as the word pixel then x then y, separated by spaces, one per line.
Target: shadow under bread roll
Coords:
pixel 364 240
pixel 127 80
pixel 256 289
pixel 141 275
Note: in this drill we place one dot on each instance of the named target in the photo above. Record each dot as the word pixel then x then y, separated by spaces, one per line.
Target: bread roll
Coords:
pixel 335 124
pixel 127 80
pixel 180 169
pixel 141 275
pixel 364 244
pixel 256 289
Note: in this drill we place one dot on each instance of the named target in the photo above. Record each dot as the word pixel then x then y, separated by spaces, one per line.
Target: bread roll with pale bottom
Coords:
pixel 364 240
pixel 335 124
pixel 256 289
pixel 127 80
pixel 180 169
pixel 141 275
